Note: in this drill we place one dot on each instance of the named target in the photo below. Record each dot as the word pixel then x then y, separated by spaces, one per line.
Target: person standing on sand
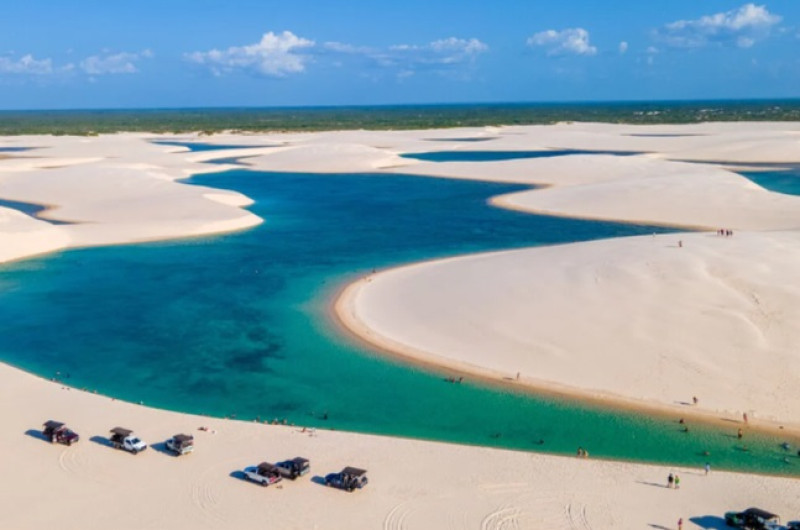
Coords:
pixel 708 468
pixel 680 523
pixel 677 482
pixel 670 480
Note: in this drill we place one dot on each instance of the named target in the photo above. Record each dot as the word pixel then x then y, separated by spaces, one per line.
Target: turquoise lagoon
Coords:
pixel 239 325
pixel 780 180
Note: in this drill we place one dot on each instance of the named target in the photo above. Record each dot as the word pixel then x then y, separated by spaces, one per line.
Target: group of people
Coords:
pixel 725 232
pixel 583 453
pixel 673 481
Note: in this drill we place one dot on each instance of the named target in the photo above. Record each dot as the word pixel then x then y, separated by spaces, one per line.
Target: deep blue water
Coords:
pixel 25 207
pixel 238 324
pixel 464 139
pixel 200 146
pixel 14 149
pixel 780 180
pixel 493 156
pixel 31 209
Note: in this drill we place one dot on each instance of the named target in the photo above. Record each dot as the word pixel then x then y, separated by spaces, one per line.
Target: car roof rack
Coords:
pixel 121 432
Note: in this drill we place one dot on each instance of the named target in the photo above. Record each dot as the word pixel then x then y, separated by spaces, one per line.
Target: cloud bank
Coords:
pixel 280 55
pixel 741 27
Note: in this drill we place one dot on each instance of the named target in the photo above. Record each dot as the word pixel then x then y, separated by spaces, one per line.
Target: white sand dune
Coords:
pixel 630 318
pixel 113 189
pixel 639 320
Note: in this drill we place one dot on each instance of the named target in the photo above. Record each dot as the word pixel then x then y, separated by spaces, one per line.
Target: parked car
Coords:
pixel 793 525
pixel 348 479
pixel 264 474
pixel 125 440
pixel 291 469
pixel 55 431
pixel 753 519
pixel 181 444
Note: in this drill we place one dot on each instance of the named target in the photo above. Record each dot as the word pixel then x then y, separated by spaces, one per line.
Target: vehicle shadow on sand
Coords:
pixel 161 447
pixel 36 433
pixel 101 440
pixel 316 479
pixel 710 522
pixel 238 474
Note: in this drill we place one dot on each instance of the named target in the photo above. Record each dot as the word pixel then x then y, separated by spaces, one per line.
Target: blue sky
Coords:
pixel 180 53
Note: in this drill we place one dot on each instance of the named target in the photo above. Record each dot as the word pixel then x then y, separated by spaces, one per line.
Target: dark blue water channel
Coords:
pixel 200 146
pixel 786 180
pixel 494 156
pixel 14 149
pixel 31 209
pixel 239 324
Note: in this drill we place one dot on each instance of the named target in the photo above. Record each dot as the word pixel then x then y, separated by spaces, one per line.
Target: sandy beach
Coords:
pixel 650 322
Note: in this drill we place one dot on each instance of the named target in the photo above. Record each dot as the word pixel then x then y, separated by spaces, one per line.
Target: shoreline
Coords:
pixel 342 314
pixel 519 451
pixel 93 486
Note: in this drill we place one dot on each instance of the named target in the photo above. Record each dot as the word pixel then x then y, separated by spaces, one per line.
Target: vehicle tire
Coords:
pixel 134 451
pixel 69 442
pixel 264 484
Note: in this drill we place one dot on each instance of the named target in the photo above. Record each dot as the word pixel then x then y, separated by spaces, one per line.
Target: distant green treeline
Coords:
pixel 89 122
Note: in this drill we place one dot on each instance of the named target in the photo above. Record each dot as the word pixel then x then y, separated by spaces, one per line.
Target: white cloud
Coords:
pixel 623 47
pixel 458 46
pixel 571 41
pixel 441 52
pixel 444 56
pixel 27 64
pixel 341 47
pixel 275 55
pixel 117 63
pixel 741 27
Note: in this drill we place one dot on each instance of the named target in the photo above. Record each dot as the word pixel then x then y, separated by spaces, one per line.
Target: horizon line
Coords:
pixel 576 103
